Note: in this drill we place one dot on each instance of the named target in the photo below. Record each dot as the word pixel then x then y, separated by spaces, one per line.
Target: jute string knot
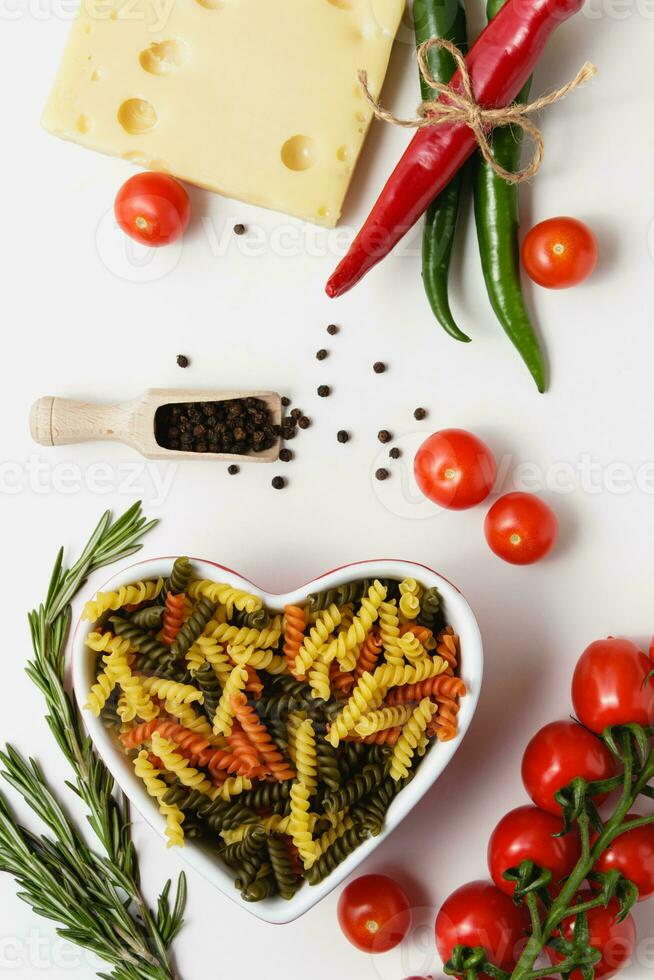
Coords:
pixel 451 106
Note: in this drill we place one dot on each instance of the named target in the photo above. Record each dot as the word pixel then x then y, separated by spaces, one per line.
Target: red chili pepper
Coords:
pixel 499 64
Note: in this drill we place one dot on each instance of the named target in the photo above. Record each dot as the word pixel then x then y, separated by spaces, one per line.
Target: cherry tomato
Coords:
pixel 152 208
pixel 455 469
pixel 527 833
pixel 520 528
pixel 608 687
pixel 479 914
pixel 632 854
pixel 559 252
pixel 374 913
pixel 557 754
pixel 616 940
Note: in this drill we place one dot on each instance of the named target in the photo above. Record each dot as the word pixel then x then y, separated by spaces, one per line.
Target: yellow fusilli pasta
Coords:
pixel 345 646
pixel 326 622
pixel 378 721
pixel 259 659
pixel 224 718
pixel 389 628
pixel 166 750
pixel 226 595
pixel 157 788
pixel 127 595
pixel 410 739
pixel 366 696
pixel 305 755
pixel 300 824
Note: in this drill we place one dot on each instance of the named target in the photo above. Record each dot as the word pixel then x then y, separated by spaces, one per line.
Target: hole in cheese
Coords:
pixel 299 153
pixel 341 4
pixel 343 154
pixel 211 4
pixel 137 116
pixel 163 57
pixel 84 123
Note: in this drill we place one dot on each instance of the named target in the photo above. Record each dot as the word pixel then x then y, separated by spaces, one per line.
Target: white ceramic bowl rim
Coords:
pixel 276 910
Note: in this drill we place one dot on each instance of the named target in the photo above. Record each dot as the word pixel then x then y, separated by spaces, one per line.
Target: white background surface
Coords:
pixel 73 327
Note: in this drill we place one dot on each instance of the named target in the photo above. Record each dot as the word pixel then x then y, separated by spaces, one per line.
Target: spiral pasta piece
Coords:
pixel 193 627
pixel 389 676
pixel 345 646
pixel 245 751
pixel 445 723
pixel 99 693
pixel 369 654
pixel 260 738
pixel 173 617
pixel 422 633
pixel 280 861
pixel 447 646
pixel 195 723
pixel 126 595
pixel 305 755
pixel 135 700
pixel 442 684
pixel 226 595
pixel 389 627
pixel 108 643
pixel 430 607
pixel 258 659
pixel 294 626
pixel 193 746
pixel 366 696
pixel 177 764
pixel 412 648
pixel 293 723
pixel 157 789
pixel 234 787
pixel 299 826
pixel 224 718
pixel 378 721
pixel 263 639
pixel 410 739
pixel 327 621
pixel 409 607
pixel 341 681
pixel 342 823
pixel 318 678
pixel 171 691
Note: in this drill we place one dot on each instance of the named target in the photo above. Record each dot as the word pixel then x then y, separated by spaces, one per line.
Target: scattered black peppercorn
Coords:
pixel 332 329
pixel 322 354
pixel 304 422
pixel 286 401
pixel 343 436
pixel 296 414
pixel 379 367
pixel 384 435
pixel 239 229
pixel 286 455
pixel 289 432
pixel 420 414
pixel 182 361
pixel 395 453
pixel 324 391
pixel 233 469
pixel 279 482
pixel 382 474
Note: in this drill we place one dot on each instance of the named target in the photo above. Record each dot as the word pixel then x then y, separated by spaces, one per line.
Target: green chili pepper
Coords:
pixel 498 219
pixel 441 18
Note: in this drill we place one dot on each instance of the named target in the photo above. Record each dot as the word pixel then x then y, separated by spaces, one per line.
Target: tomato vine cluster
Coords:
pixel 566 873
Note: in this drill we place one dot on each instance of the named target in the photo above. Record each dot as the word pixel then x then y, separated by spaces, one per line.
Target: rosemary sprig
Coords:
pixel 95 898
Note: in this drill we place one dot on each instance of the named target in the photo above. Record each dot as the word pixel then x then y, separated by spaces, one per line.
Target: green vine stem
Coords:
pixel 564 906
pixel 96 898
pixel 631 746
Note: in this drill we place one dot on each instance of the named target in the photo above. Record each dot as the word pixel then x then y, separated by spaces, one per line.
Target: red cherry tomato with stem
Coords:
pixel 153 208
pixel 632 854
pixel 615 940
pixel 559 253
pixel 479 914
pixel 557 754
pixel 520 528
pixel 455 469
pixel 608 687
pixel 374 913
pixel 527 834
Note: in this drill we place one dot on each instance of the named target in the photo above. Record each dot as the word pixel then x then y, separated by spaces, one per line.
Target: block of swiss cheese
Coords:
pixel 254 99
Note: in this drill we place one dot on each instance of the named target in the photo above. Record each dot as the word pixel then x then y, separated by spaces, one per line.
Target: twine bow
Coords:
pixel 461 106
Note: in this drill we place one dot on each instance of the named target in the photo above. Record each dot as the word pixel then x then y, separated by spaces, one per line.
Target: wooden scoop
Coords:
pixel 61 422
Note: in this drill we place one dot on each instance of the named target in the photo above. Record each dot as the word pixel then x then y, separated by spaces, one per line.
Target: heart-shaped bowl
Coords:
pixel 201 857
